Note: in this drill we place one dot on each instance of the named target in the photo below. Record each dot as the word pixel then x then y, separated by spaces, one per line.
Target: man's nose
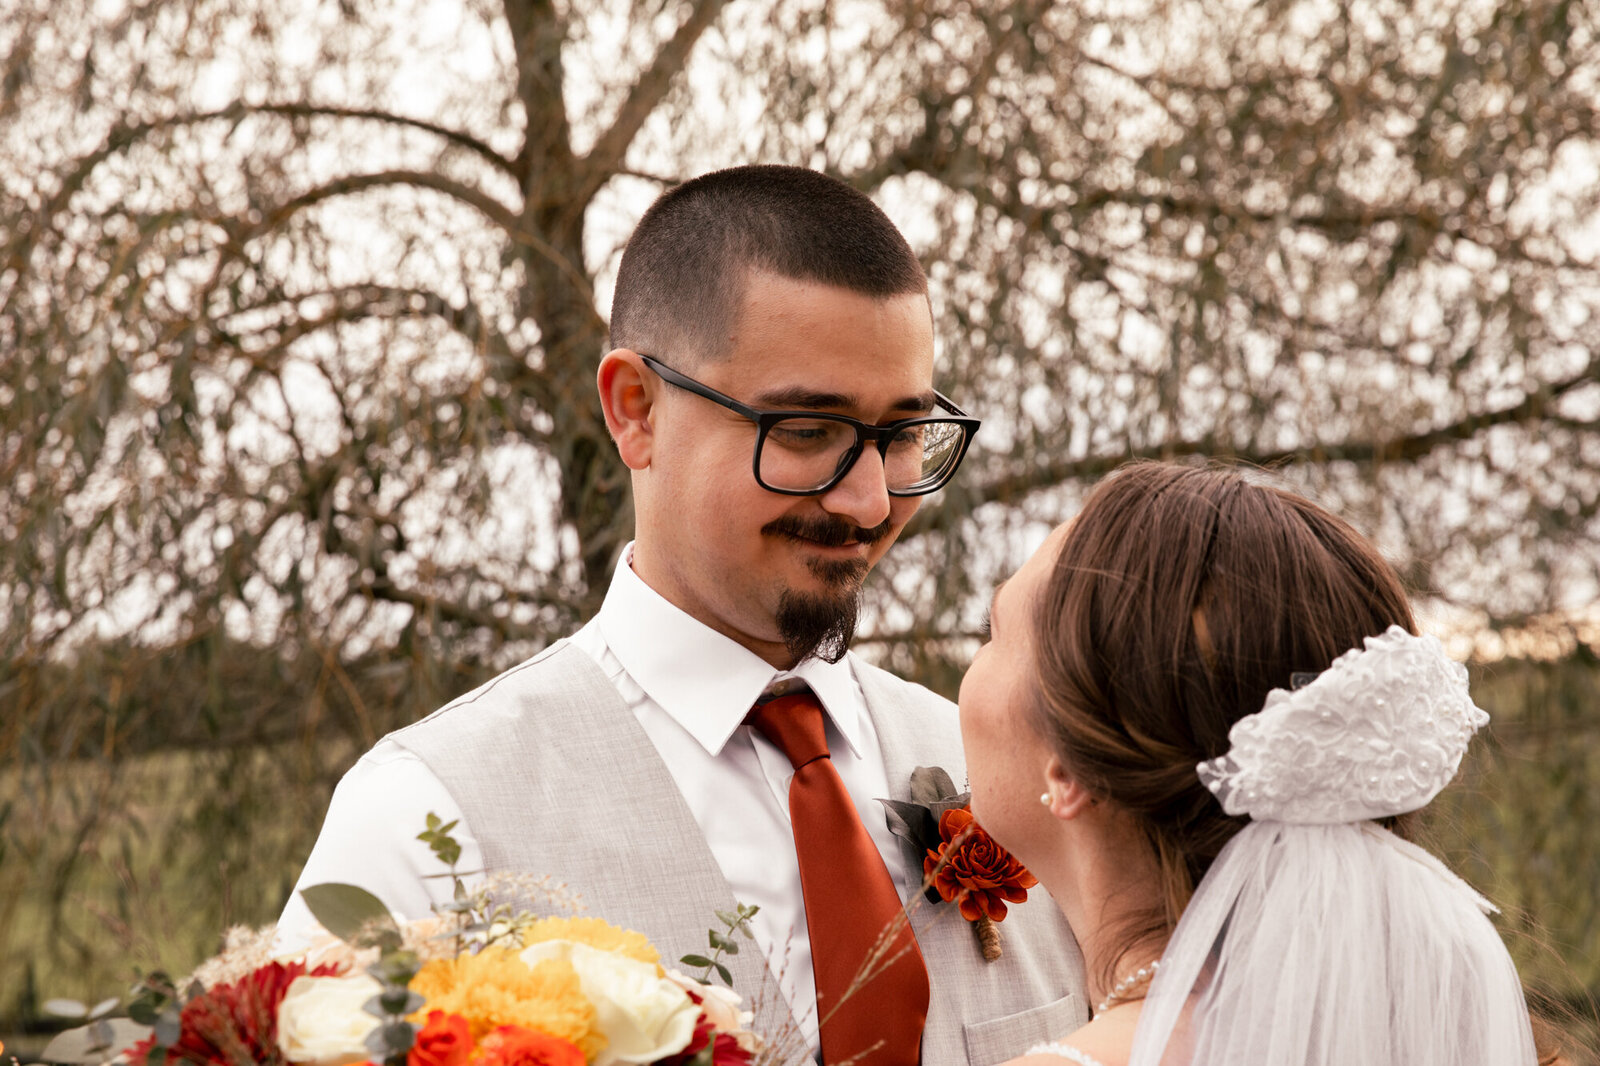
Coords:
pixel 863 494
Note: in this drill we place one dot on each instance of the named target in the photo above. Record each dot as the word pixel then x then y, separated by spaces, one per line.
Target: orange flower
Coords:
pixel 512 1045
pixel 445 1041
pixel 971 868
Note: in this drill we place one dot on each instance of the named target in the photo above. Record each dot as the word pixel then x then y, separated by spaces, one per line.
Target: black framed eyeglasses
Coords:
pixel 805 453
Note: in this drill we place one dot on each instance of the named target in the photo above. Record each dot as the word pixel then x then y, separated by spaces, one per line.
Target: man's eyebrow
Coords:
pixel 800 398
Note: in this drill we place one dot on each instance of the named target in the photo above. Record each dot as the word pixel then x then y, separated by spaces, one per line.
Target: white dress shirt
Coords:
pixel 690 688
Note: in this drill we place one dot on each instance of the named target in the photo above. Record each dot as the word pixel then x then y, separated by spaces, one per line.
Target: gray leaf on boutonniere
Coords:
pixel 917 819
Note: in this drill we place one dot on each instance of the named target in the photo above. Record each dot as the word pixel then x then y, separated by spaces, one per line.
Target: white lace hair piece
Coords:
pixel 1318 938
pixel 1379 733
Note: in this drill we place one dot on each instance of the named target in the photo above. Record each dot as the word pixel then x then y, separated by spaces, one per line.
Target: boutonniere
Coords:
pixel 961 863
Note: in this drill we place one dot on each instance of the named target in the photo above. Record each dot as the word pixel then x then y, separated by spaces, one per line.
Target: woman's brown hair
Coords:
pixel 1182 596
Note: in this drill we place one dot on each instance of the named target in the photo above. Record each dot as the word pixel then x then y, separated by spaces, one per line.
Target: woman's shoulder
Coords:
pixel 1106 1041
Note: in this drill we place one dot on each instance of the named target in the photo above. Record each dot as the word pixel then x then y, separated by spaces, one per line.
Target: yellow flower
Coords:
pixel 595 933
pixel 494 988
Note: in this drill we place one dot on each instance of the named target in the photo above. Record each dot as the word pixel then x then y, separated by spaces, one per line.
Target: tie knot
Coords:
pixel 794 725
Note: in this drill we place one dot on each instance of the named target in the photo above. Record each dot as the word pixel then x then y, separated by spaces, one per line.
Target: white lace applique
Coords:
pixel 1066 1051
pixel 1379 733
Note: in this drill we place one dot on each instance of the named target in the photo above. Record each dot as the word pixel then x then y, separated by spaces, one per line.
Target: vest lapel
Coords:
pixel 907 737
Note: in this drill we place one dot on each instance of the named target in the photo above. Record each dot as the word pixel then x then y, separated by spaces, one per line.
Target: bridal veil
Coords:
pixel 1318 938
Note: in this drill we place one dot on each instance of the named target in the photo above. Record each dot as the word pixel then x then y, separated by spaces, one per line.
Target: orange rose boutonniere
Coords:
pixel 961 863
pixel 969 869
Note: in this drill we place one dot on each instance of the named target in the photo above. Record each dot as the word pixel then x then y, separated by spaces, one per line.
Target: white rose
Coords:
pixel 643 1016
pixel 721 1005
pixel 321 1021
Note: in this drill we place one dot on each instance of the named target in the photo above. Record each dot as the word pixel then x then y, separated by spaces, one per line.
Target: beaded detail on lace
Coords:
pixel 1066 1051
pixel 1379 733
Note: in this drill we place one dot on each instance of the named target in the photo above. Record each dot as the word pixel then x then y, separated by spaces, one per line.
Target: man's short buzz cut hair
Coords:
pixel 682 277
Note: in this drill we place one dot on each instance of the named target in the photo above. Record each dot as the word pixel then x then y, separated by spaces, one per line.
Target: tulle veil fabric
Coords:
pixel 1318 938
pixel 1333 945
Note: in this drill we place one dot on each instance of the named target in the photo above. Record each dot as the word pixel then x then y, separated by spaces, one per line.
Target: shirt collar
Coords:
pixel 705 681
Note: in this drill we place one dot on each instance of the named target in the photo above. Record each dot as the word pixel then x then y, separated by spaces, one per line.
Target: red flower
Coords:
pixel 512 1045
pixel 725 1049
pixel 234 1024
pixel 971 868
pixel 445 1041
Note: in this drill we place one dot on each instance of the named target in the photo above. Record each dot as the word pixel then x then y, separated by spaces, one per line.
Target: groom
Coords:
pixel 771 329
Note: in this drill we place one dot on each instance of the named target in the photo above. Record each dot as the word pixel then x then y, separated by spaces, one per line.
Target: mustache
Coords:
pixel 830 530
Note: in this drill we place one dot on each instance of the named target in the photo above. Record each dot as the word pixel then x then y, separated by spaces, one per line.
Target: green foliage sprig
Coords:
pixel 724 941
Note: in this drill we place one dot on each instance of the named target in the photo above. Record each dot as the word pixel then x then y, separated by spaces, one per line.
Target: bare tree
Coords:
pixel 300 306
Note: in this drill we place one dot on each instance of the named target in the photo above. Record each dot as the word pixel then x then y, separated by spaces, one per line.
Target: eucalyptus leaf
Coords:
pixel 101 1034
pixel 80 1046
pixel 399 1000
pixel 398 1036
pixel 168 1028
pixel 904 818
pixel 722 971
pixel 66 1008
pixel 951 804
pixel 695 960
pixel 145 1011
pixel 912 821
pixel 930 784
pixel 396 967
pixel 350 913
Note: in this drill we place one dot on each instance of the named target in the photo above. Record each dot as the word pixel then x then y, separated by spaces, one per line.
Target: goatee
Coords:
pixel 821 624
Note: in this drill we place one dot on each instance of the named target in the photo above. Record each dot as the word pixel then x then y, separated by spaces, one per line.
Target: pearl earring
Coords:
pixel 1044 798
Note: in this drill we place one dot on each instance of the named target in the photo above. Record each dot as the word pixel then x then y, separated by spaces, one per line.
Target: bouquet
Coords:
pixel 481 983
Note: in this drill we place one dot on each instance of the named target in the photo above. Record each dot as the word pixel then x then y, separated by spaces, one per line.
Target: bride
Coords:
pixel 1203 721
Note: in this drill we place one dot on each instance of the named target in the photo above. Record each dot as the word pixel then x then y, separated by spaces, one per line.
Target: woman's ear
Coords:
pixel 627 396
pixel 1065 795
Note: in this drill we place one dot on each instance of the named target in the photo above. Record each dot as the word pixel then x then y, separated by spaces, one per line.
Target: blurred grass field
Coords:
pixel 110 867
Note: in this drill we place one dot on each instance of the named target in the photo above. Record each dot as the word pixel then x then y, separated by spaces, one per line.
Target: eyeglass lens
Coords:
pixel 802 454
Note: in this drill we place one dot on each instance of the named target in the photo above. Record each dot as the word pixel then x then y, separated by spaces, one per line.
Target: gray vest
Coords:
pixel 555 776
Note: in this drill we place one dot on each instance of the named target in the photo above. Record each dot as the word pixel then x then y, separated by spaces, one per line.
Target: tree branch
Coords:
pixel 487 205
pixel 455 137
pixel 605 158
pixel 384 588
pixel 358 302
pixel 1016 486
pixel 126 134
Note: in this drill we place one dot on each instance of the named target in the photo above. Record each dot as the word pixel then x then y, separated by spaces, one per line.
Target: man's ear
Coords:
pixel 627 396
pixel 1068 798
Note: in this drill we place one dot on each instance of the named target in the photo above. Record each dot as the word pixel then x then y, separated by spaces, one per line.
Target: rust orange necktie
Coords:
pixel 851 903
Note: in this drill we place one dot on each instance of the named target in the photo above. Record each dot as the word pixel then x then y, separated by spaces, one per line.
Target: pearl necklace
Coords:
pixel 1128 984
